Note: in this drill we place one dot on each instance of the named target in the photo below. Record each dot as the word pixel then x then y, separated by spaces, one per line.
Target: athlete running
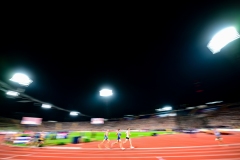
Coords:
pixel 128 138
pixel 118 140
pixel 218 136
pixel 105 139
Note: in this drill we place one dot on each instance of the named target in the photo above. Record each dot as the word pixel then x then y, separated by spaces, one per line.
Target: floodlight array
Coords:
pixel 22 79
pixel 222 38
pixel 9 90
pixel 106 92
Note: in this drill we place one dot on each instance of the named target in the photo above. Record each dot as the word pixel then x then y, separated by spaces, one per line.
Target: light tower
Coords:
pixel 106 94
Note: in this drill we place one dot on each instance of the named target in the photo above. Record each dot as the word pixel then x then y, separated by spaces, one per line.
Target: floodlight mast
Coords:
pixel 74 113
pixel 46 106
pixel 21 79
pixel 106 93
pixel 166 108
pixel 9 90
pixel 12 93
pixel 222 38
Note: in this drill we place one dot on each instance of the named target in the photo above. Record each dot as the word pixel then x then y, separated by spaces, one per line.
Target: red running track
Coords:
pixel 163 147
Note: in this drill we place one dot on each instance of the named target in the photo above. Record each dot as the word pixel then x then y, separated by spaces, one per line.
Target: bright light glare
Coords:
pixel 202 106
pixel 74 113
pixel 12 93
pixel 168 115
pixel 222 38
pixel 190 107
pixel 46 106
pixel 21 79
pixel 172 114
pixel 214 102
pixel 106 92
pixel 167 108
pixel 163 115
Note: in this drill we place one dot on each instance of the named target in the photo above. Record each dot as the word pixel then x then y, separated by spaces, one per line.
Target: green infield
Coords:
pixel 112 135
pixel 98 136
pixel 95 136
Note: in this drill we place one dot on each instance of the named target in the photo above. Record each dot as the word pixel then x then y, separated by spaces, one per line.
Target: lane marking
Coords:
pixel 62 147
pixel 180 147
pixel 227 149
pixel 234 144
pixel 17 159
pixel 121 157
pixel 127 153
pixel 16 156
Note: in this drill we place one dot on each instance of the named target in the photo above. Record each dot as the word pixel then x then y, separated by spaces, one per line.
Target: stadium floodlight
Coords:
pixel 12 93
pixel 222 38
pixel 163 115
pixel 74 113
pixel 106 92
pixel 202 106
pixel 46 106
pixel 22 79
pixel 190 107
pixel 214 102
pixel 172 114
pixel 167 108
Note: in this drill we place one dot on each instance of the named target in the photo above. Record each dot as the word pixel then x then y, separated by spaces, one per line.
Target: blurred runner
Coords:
pixel 40 140
pixel 218 136
pixel 128 138
pixel 105 139
pixel 118 140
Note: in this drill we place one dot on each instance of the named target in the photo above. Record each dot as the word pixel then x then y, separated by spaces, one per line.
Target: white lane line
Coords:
pixel 126 150
pixel 156 153
pixel 147 153
pixel 16 156
pixel 236 144
pixel 171 148
pixel 227 149
pixel 181 147
pixel 17 159
pixel 47 147
pixel 121 157
pixel 6 154
pixel 62 147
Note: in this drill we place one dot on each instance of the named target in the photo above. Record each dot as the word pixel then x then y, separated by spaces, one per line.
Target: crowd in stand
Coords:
pixel 136 124
pixel 229 117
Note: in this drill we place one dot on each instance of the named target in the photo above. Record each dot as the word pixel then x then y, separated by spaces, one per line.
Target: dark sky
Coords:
pixel 149 57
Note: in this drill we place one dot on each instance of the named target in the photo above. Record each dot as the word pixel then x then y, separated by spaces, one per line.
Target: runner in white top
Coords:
pixel 128 138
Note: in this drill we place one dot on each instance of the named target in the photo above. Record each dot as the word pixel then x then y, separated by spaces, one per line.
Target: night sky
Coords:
pixel 148 57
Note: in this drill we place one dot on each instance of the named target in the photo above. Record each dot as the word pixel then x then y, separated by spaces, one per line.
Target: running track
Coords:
pixel 165 147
